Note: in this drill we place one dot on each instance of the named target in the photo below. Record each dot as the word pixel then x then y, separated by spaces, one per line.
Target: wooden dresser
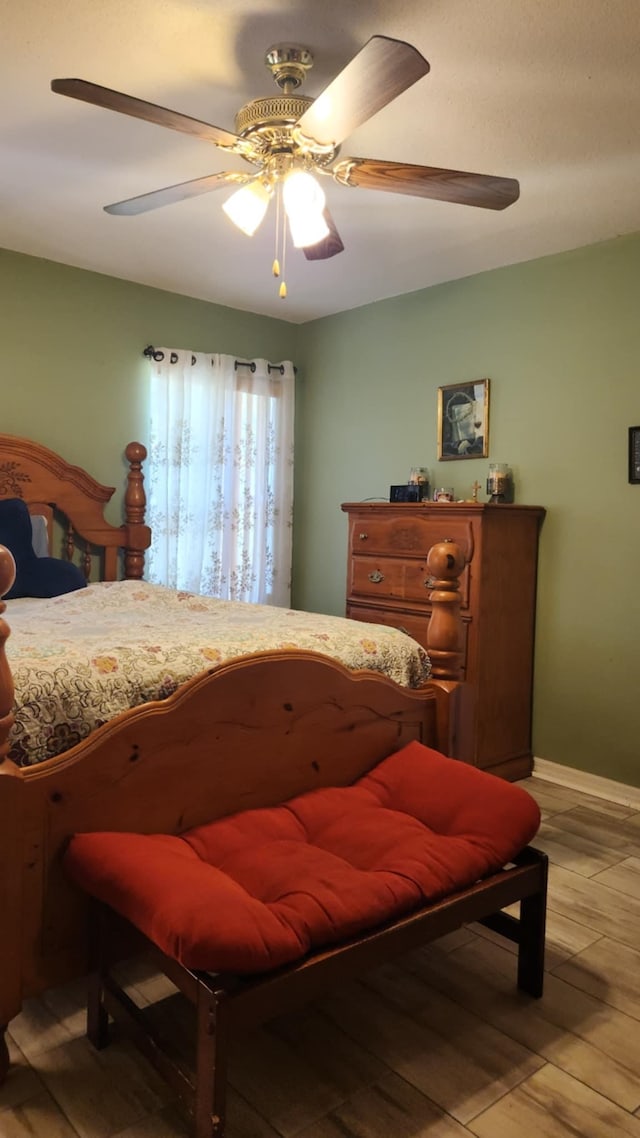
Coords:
pixel 388 583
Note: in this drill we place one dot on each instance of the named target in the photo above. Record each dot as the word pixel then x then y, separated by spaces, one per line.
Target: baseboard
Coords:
pixel 593 784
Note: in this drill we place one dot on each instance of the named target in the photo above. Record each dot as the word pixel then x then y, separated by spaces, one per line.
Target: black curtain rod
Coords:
pixel 155 354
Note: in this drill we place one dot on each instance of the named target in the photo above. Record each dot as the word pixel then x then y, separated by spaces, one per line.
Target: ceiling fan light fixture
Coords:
pixel 285 136
pixel 247 207
pixel 302 192
pixel 304 202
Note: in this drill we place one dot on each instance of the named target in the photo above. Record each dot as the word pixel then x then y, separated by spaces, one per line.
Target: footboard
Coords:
pixel 251 732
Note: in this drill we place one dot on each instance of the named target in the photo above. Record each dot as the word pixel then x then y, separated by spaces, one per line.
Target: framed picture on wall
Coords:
pixel 463 420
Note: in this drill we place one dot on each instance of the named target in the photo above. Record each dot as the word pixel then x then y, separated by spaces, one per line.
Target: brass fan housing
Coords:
pixel 268 123
pixel 275 111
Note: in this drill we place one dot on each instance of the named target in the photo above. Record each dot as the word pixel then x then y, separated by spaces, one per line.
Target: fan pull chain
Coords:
pixel 283 285
pixel 276 264
pixel 281 233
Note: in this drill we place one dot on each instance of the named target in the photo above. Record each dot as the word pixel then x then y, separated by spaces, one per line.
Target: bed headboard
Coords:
pixel 70 496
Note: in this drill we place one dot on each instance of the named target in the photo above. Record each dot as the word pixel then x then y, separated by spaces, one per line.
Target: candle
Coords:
pixel 499 482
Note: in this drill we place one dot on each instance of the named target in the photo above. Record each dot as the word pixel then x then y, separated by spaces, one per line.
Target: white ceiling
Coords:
pixel 545 91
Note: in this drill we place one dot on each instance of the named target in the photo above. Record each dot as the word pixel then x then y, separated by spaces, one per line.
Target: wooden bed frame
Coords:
pixel 254 731
pixel 61 492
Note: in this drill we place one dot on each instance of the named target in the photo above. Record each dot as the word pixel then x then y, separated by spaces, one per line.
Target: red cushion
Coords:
pixel 261 888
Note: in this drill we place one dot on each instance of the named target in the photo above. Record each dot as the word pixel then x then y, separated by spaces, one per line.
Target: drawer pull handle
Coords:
pixel 429 582
pixel 363 536
pixel 376 577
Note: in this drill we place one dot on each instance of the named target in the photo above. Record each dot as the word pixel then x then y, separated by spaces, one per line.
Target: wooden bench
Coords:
pixel 254 913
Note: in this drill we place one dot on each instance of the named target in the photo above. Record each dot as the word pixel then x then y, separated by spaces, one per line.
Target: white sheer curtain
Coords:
pixel 220 475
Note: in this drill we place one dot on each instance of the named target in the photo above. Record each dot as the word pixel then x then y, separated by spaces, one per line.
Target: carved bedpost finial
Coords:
pixel 7 577
pixel 7 572
pixel 135 504
pixel 135 499
pixel 445 563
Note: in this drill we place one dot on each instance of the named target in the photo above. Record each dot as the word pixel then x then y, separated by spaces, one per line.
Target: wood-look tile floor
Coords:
pixel 438 1044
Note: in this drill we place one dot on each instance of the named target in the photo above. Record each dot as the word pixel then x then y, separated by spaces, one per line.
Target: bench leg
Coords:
pixel 97 1016
pixel 533 911
pixel 4 1054
pixel 211 1061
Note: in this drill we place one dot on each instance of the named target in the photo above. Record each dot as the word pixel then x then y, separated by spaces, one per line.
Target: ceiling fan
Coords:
pixel 288 134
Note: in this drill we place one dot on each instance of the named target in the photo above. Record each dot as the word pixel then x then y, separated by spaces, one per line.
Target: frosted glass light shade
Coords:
pixel 247 207
pixel 301 191
pixel 304 202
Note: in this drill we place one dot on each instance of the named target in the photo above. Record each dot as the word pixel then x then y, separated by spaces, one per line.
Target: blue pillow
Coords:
pixel 35 576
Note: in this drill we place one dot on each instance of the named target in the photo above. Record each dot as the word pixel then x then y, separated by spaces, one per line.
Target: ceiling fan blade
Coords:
pixel 139 109
pixel 328 246
pixel 178 193
pixel 381 70
pixel 485 190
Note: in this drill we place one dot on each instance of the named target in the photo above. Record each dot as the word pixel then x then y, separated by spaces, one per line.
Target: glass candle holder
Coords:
pixel 499 482
pixel 443 494
pixel 419 477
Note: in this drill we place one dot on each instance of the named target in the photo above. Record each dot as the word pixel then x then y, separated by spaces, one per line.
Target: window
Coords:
pixel 220 476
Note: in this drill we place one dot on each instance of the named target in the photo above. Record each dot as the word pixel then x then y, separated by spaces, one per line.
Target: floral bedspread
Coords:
pixel 82 658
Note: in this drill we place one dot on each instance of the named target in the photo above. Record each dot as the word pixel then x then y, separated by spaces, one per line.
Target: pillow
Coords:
pixel 35 576
pixel 39 535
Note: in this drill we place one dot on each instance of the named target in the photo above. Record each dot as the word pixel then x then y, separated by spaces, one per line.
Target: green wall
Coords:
pixel 559 339
pixel 73 374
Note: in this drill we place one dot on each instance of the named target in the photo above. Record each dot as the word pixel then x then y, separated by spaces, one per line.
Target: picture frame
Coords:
pixel 463 420
pixel 634 454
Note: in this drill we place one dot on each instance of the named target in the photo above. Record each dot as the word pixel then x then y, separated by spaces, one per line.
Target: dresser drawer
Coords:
pixel 411 535
pixel 396 579
pixel 390 578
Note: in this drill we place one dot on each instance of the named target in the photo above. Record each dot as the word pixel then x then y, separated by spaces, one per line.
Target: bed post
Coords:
pixel 10 837
pixel 445 563
pixel 135 502
pixel 7 577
